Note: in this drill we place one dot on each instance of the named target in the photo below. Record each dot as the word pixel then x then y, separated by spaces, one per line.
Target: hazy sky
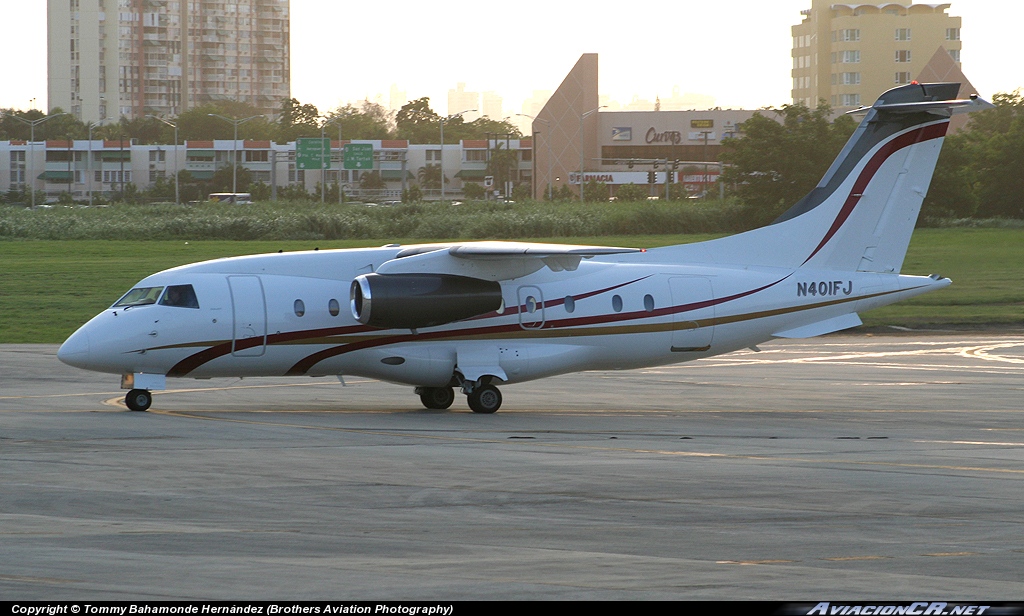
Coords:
pixel 735 50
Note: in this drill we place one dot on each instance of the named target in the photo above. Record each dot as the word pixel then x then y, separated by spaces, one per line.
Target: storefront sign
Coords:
pixel 673 137
pixel 616 177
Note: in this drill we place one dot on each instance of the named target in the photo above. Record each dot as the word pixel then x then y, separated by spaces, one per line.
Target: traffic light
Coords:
pixel 650 177
pixel 671 177
pixel 675 164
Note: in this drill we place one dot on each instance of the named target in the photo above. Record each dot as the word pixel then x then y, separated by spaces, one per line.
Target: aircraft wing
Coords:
pixel 493 260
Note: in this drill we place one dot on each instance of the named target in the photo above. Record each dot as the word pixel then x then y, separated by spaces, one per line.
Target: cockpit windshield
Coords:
pixel 142 296
pixel 181 296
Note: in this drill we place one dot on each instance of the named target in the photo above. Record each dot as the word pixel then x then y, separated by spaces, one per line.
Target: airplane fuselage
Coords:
pixel 289 314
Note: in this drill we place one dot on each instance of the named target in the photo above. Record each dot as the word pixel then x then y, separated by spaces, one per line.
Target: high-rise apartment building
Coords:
pixel 491 105
pixel 848 54
pixel 113 58
pixel 460 100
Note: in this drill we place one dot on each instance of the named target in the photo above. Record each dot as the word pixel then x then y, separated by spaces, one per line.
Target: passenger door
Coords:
pixel 249 309
pixel 693 329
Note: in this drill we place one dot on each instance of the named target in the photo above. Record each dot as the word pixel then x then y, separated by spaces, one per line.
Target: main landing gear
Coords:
pixel 483 399
pixel 436 397
pixel 138 400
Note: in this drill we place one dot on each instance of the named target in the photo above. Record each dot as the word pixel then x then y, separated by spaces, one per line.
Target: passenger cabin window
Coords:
pixel 142 296
pixel 180 296
pixel 300 308
pixel 334 307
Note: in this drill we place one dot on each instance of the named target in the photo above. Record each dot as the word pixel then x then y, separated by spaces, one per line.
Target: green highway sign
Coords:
pixel 312 153
pixel 359 156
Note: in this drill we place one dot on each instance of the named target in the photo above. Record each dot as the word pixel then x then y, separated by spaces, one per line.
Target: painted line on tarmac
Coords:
pixel 99 393
pixel 119 401
pixel 594 448
pixel 983 443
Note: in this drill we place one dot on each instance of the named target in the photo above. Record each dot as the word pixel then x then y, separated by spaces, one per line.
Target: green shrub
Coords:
pixel 472 190
pixel 632 192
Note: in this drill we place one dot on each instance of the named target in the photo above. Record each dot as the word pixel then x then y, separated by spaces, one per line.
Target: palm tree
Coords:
pixel 430 176
pixel 503 165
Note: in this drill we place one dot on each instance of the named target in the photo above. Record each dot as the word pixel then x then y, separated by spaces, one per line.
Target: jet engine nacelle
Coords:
pixel 410 301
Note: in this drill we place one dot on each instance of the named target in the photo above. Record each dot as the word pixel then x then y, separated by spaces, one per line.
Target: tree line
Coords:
pixel 980 172
pixel 415 121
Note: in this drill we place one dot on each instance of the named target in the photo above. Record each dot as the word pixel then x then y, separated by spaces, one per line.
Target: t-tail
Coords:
pixel 862 213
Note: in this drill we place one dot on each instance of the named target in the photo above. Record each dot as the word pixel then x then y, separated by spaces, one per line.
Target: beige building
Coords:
pixel 848 54
pixel 573 134
pixel 113 58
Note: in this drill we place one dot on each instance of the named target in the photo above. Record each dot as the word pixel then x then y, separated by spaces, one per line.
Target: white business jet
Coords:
pixel 474 315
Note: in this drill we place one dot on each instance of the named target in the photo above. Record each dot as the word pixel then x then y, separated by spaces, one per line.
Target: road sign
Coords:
pixel 312 153
pixel 359 156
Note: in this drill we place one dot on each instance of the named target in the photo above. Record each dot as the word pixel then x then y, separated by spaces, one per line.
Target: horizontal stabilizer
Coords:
pixel 821 328
pixel 943 108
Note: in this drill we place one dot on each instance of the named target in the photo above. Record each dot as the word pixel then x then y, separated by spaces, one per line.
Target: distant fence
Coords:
pixel 395 194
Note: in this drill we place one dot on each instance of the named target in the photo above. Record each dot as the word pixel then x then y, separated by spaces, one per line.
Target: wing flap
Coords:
pixel 845 321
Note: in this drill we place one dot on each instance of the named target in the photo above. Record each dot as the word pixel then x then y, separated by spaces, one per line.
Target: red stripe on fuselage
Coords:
pixel 303 366
pixel 192 362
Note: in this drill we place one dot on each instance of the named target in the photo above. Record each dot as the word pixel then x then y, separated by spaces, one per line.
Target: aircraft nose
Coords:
pixel 75 350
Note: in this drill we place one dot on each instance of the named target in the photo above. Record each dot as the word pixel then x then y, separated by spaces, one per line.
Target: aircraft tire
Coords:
pixel 138 400
pixel 437 398
pixel 485 400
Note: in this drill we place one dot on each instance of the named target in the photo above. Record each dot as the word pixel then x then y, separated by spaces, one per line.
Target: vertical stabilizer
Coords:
pixel 873 192
pixel 862 213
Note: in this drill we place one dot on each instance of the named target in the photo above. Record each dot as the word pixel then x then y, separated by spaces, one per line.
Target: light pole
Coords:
pixel 177 193
pixel 234 146
pixel 451 117
pixel 583 145
pixel 88 162
pixel 325 159
pixel 547 140
pixel 704 155
pixel 32 148
pixel 341 164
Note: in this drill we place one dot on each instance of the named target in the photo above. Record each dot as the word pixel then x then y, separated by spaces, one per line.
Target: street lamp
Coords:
pixel 583 145
pixel 325 157
pixel 234 146
pixel 32 148
pixel 547 140
pixel 177 193
pixel 451 117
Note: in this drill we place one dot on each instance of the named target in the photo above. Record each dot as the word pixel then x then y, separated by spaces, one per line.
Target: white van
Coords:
pixel 240 198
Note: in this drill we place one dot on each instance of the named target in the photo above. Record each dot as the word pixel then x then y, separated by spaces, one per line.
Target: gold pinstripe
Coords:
pixel 566 332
